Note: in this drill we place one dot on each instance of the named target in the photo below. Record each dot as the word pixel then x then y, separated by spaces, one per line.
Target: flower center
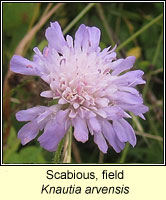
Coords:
pixel 73 97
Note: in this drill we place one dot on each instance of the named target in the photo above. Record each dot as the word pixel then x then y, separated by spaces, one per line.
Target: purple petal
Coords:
pixel 135 77
pixel 120 131
pixel 55 37
pixel 38 52
pixel 53 133
pixel 122 65
pixel 131 79
pixel 129 130
pixel 94 124
pixel 21 65
pixel 114 112
pixel 142 116
pixel 104 52
pixel 81 37
pixel 46 78
pixel 94 37
pixel 47 94
pixel 72 114
pixel 129 89
pixel 100 141
pixel 80 129
pixel 43 116
pixel 102 102
pixel 109 58
pixel 136 109
pixel 101 113
pixel 40 61
pixel 30 114
pixel 28 132
pixel 46 52
pixel 111 136
pixel 126 97
pixel 62 101
pixel 69 40
pixel 62 116
pixel 124 131
pixel 86 113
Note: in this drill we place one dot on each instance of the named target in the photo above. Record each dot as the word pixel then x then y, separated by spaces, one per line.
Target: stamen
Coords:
pixel 29 66
pixel 63 60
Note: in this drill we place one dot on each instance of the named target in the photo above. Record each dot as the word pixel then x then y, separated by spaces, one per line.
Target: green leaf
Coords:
pixel 144 65
pixel 27 155
pixel 15 15
pixel 12 144
pixel 16 20
pixel 31 155
pixel 53 102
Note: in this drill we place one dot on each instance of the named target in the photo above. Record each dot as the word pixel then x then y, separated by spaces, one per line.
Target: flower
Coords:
pixel 93 92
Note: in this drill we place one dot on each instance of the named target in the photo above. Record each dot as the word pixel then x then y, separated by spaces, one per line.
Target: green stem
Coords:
pixel 124 153
pixel 58 152
pixel 118 21
pixel 67 147
pixel 144 28
pixel 138 125
pixel 154 129
pixel 78 17
pixel 148 135
pixel 157 49
pixel 105 23
pixel 153 63
pixel 70 144
pixel 157 71
pixel 101 157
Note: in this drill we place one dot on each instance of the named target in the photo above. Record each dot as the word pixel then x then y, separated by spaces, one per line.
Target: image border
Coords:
pixel 142 164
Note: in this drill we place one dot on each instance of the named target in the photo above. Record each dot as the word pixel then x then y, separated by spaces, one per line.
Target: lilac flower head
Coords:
pixel 93 92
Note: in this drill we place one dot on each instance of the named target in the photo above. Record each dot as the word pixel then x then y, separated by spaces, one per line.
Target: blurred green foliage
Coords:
pixel 16 19
pixel 123 19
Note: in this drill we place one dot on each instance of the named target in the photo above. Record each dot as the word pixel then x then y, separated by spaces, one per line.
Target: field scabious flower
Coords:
pixel 93 92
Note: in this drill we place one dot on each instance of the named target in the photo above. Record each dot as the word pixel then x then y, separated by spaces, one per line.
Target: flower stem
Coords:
pixel 67 147
pixel 157 52
pixel 153 63
pixel 105 24
pixel 78 17
pixel 101 157
pixel 139 32
pixel 124 154
pixel 58 152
